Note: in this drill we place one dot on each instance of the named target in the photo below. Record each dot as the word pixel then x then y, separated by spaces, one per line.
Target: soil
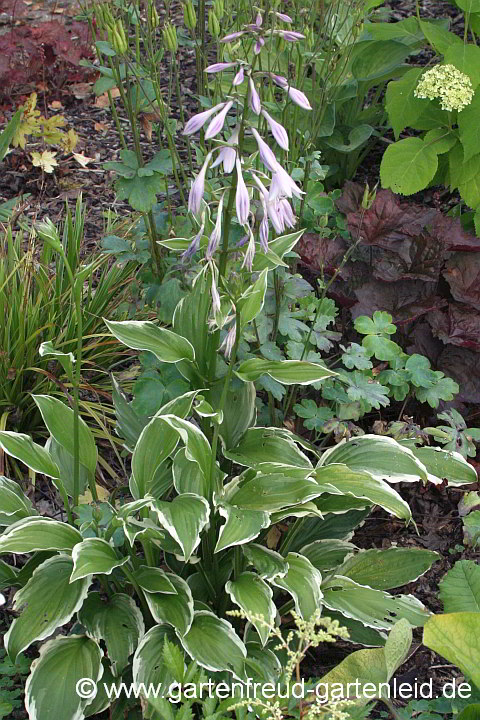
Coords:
pixel 437 523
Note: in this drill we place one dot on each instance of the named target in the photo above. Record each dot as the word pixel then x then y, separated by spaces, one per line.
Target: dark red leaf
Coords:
pixel 463 366
pixel 458 325
pixel 462 273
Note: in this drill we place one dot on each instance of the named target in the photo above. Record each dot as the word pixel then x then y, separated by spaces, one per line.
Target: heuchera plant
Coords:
pixel 202 529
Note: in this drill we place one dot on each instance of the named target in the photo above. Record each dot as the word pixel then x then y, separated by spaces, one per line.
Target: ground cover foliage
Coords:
pixel 204 504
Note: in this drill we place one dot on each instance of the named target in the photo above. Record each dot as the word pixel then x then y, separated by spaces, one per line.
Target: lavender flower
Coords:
pixel 290 36
pixel 282 185
pixel 279 80
pixel 278 131
pixel 299 98
pixel 232 36
pixel 239 77
pixel 218 121
pixel 195 244
pixel 227 155
pixel 198 121
pixel 285 18
pixel 242 200
pixel 250 253
pixel 255 103
pixel 259 20
pixel 266 154
pixel 216 306
pixel 218 67
pixel 216 232
pixel 198 187
pixel 260 42
pixel 264 227
pixel 229 341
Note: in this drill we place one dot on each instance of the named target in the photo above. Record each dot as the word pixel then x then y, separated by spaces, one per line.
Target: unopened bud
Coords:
pixel 170 37
pixel 219 9
pixel 153 19
pixel 368 197
pixel 213 24
pixel 189 16
pixel 97 514
pixel 118 40
pixel 309 37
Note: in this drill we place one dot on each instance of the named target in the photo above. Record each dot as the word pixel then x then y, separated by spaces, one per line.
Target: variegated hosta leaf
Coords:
pixel 254 597
pixel 241 525
pixel 274 492
pixel 48 601
pixel 34 456
pixel 184 519
pixel 389 568
pixel 261 664
pixel 303 582
pixel 299 511
pixel 166 345
pixel 94 556
pixel 37 533
pixel 383 457
pixel 156 442
pixel 214 645
pixel 397 646
pixel 118 622
pixel 197 447
pixel 261 444
pixel 373 608
pixel 342 480
pixel 176 610
pixel 154 580
pixel 51 689
pixel 287 372
pixel 65 462
pixel 444 464
pixel 327 554
pixel 267 563
pixel 239 412
pixel 14 505
pixel 148 665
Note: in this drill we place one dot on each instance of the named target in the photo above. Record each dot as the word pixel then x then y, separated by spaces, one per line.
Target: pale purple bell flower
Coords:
pixel 260 42
pixel 216 306
pixel 239 77
pixel 264 227
pixel 198 188
pixel 242 200
pixel 198 121
pixel 267 155
pixel 194 245
pixel 229 341
pixel 259 20
pixel 285 18
pixel 285 210
pixel 216 232
pixel 278 131
pixel 218 122
pixel 290 35
pixel 227 155
pixel 279 80
pixel 232 36
pixel 299 98
pixel 218 67
pixel 283 185
pixel 255 103
pixel 250 253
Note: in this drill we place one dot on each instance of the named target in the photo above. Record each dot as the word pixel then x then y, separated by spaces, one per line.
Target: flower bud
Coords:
pixel 118 40
pixel 153 19
pixel 218 6
pixel 189 16
pixel 213 24
pixel 170 37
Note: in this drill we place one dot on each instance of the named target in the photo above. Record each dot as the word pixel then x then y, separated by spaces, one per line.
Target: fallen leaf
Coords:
pixel 87 499
pixel 81 90
pixel 100 127
pixel 102 101
pixel 82 159
pixel 273 537
pixel 45 160
pixel 56 105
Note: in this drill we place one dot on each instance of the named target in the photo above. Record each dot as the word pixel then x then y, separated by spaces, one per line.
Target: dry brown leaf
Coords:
pixel 273 537
pixel 100 127
pixel 81 90
pixel 56 105
pixel 102 101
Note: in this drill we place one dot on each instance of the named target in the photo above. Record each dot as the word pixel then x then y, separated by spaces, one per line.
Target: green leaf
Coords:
pixel 381 456
pixel 37 533
pixel 48 601
pixel 443 389
pixel 355 356
pixel 303 582
pixel 364 668
pixel 418 367
pixel 191 318
pixel 94 556
pixel 443 139
pixel 402 106
pixel 241 525
pixel 34 456
pixel 65 462
pixel 408 166
pixel 445 465
pixel 184 519
pixel 357 137
pixel 6 136
pixel 66 360
pixel 469 6
pixel 456 636
pixel 374 608
pixel 239 411
pixel 466 58
pixel 129 423
pixel 276 250
pixel 367 389
pixel 287 372
pixel 254 597
pixel 440 38
pixel 51 689
pixel 166 345
pixel 156 443
pixel 59 420
pixel 397 646
pixel 14 505
pixel 214 645
pixel 250 303
pixel 176 610
pixel 327 554
pixel 118 622
pixel 154 580
pixel 381 347
pixel 376 58
pixel 471 528
pixel 260 445
pixel 343 480
pixel 149 665
pixel 267 563
pixel 459 589
pixel 197 449
pixel 471 712
pixel 273 492
pixel 389 568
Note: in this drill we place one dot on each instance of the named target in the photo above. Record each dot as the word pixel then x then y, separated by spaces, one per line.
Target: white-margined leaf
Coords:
pixel 260 445
pixel 250 303
pixel 381 456
pixel 214 645
pixel 149 666
pixel 65 462
pixel 176 610
pixel 156 443
pixel 343 480
pixel 38 533
pixel 94 556
pixel 66 360
pixel 184 519
pixel 241 525
pixel 268 563
pixel 445 464
pixel 389 568
pixel 51 688
pixel 59 419
pixel 287 372
pixel 274 492
pixel 374 608
pixel 239 410
pixel 254 597
pixel 166 345
pixel 303 582
pixel 197 447
pixel 154 580
pixel 14 504
pixel 276 250
pixel 33 455
pixel 46 602
pixel 117 621
pixel 327 554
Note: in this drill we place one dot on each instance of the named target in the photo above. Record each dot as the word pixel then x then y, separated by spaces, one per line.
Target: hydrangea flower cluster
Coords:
pixel 452 87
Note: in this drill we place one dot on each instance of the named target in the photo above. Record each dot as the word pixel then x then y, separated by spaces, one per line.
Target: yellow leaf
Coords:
pixel 45 160
pixel 30 122
pixel 69 141
pixel 82 159
pixel 87 499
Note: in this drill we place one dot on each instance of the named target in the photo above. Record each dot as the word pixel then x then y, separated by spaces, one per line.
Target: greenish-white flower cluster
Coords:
pixel 452 87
